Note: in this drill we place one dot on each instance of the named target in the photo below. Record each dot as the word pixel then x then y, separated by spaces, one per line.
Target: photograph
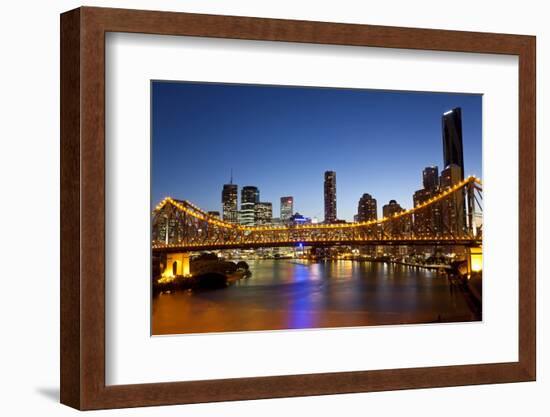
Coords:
pixel 278 207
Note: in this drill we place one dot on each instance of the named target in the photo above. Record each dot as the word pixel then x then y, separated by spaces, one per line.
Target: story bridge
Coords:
pixel 451 217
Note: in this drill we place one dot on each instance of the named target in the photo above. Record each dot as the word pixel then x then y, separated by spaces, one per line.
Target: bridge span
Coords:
pixel 175 248
pixel 445 219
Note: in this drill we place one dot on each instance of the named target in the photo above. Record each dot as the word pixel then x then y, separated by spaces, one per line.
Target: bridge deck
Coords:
pixel 171 248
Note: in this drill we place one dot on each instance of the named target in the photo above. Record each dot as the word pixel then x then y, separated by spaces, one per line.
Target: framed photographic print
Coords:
pixel 259 208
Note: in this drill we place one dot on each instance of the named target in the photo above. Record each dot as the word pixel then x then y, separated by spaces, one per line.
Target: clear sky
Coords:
pixel 283 139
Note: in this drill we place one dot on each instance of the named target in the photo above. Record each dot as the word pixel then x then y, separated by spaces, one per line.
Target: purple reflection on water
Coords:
pixel 290 294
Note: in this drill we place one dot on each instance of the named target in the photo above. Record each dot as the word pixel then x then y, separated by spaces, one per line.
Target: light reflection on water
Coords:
pixel 289 294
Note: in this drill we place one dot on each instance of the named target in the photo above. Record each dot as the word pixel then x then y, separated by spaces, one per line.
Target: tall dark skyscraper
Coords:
pixel 250 195
pixel 229 202
pixel 366 209
pixel 454 212
pixel 330 197
pixel 430 178
pixel 452 139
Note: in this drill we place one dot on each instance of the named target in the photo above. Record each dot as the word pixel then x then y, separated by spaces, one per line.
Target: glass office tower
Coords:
pixel 452 139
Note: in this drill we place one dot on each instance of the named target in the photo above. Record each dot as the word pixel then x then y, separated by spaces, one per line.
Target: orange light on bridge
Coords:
pixel 252 232
pixel 475 259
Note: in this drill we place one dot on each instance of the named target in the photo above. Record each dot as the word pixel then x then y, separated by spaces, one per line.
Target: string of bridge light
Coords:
pixel 202 215
pixel 316 240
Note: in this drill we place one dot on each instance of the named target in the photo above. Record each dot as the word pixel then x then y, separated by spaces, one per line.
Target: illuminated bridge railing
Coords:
pixel 452 216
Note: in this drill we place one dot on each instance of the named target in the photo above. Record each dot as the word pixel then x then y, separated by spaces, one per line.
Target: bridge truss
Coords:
pixel 450 217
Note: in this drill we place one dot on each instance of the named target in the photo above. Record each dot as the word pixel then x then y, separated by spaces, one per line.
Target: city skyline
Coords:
pixel 381 172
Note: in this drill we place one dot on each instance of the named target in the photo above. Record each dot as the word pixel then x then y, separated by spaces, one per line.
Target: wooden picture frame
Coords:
pixel 83 207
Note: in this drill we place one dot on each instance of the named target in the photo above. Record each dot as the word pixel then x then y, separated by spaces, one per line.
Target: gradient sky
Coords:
pixel 282 139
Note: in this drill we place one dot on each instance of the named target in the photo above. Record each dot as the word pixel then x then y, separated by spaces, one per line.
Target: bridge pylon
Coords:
pixel 177 264
pixel 474 256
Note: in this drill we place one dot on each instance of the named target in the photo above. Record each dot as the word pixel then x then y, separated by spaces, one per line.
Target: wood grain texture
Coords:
pixel 70 209
pixel 83 207
pixel 527 207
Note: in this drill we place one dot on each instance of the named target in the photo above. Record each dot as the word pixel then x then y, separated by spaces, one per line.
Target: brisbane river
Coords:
pixel 292 294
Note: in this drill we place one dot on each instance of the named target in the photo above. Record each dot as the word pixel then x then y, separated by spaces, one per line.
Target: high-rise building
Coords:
pixel 400 227
pixel 452 139
pixel 453 210
pixel 250 195
pixel 450 176
pixel 427 221
pixel 366 209
pixel 263 213
pixel 391 208
pixel 430 178
pixel 330 196
pixel 229 203
pixel 287 208
pixel 421 217
pixel 214 213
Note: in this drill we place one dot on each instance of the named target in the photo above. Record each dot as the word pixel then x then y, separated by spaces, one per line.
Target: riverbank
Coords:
pixel 206 272
pixel 469 287
pixel 209 280
pixel 437 267
pixel 386 260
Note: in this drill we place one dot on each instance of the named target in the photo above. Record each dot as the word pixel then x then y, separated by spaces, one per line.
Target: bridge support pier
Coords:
pixel 177 264
pixel 475 259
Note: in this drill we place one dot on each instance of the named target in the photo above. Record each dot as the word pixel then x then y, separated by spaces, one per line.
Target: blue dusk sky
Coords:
pixel 282 140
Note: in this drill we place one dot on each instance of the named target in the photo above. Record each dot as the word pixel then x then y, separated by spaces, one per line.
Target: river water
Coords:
pixel 291 294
